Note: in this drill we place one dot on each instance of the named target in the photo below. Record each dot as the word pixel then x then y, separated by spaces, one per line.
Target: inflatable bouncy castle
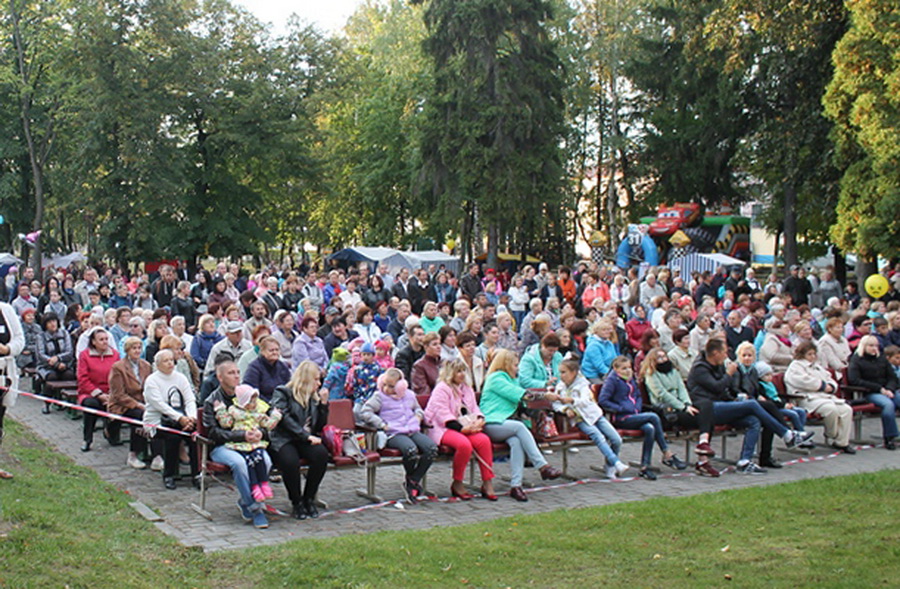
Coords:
pixel 683 229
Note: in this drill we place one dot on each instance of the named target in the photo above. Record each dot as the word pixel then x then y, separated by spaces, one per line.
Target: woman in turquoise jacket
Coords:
pixel 533 368
pixel 499 402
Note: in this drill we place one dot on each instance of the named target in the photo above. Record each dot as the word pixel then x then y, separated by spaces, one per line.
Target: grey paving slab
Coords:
pixel 349 514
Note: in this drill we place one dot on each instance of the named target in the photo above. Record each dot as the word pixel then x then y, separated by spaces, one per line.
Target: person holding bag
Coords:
pixel 169 402
pixel 456 421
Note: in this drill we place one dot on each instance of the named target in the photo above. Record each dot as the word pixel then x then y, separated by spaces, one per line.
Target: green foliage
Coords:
pixel 862 102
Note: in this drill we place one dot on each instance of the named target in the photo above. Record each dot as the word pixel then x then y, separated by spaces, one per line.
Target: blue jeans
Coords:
pixel 519 316
pixel 888 412
pixel 239 472
pixel 797 417
pixel 741 414
pixel 605 437
pixel 521 443
pixel 650 424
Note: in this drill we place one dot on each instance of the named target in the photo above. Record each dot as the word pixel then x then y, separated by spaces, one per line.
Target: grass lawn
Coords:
pixel 61 525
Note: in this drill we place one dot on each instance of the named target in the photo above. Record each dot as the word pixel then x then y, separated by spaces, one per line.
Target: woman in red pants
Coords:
pixel 455 420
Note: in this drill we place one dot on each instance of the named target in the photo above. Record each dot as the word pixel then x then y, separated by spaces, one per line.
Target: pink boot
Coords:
pixel 266 489
pixel 257 493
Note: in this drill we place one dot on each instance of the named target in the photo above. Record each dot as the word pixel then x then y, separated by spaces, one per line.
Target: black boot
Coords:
pixel 310 506
pixel 299 511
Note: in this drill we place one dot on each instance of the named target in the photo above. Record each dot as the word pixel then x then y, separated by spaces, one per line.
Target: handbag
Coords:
pixel 546 426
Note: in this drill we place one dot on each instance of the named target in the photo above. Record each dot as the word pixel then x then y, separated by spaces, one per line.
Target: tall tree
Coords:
pixel 862 101
pixel 492 132
pixel 36 35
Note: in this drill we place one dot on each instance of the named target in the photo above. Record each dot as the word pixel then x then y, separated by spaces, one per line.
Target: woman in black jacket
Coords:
pixel 871 371
pixel 304 407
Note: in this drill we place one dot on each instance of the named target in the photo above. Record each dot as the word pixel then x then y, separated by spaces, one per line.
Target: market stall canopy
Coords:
pixel 427 257
pixel 702 262
pixel 509 258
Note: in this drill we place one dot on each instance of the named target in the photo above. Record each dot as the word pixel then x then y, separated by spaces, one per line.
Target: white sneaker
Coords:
pixel 621 467
pixel 135 462
pixel 157 463
pixel 611 473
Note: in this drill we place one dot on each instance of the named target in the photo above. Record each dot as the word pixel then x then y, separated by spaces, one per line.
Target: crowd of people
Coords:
pixel 262 355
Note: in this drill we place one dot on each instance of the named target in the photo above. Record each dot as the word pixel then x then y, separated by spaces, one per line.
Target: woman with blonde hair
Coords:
pixel 457 422
pixel 600 351
pixel 303 404
pixel 541 326
pixel 499 403
pixel 870 370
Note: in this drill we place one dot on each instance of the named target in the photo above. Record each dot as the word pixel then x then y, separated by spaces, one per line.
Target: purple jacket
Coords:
pixel 307 348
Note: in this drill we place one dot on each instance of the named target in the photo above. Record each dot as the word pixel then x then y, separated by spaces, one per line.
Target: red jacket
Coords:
pixel 93 372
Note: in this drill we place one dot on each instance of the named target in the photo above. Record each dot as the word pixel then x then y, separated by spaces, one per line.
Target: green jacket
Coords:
pixel 667 390
pixel 500 397
pixel 533 371
pixel 429 325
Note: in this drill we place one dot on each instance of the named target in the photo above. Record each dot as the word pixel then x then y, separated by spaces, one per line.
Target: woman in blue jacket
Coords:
pixel 600 352
pixel 620 397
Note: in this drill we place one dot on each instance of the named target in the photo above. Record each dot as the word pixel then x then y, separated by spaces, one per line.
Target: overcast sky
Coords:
pixel 328 14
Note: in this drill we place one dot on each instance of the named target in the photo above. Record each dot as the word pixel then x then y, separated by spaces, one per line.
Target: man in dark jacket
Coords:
pixel 470 285
pixel 229 378
pixel 736 333
pixel 704 289
pixel 420 291
pixel 710 381
pixel 798 286
pixel 410 354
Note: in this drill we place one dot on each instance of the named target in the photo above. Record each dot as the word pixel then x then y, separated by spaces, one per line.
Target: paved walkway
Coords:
pixel 350 514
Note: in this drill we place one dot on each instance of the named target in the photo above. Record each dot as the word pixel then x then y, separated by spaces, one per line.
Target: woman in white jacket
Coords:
pixel 578 403
pixel 813 388
pixel 776 350
pixel 12 342
pixel 834 349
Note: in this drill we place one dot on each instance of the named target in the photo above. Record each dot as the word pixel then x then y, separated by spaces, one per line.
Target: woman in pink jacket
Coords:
pixel 456 421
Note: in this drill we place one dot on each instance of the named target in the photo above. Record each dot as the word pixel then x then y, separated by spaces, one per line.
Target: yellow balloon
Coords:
pixel 876 286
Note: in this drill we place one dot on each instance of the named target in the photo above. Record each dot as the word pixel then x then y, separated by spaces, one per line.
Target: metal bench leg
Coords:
pixel 369 492
pixel 201 509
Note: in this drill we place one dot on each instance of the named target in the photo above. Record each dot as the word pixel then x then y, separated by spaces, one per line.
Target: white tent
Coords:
pixel 64 261
pixel 373 256
pixel 7 259
pixel 703 262
pixel 427 257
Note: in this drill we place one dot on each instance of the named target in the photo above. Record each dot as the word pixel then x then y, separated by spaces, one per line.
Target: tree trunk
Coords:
pixel 37 154
pixel 493 245
pixel 840 264
pixel 776 252
pixel 791 255
pixel 865 267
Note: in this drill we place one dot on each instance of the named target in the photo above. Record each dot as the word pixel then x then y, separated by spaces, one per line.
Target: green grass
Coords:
pixel 61 525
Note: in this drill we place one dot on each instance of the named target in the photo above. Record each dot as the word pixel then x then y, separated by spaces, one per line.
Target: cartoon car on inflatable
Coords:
pixel 670 219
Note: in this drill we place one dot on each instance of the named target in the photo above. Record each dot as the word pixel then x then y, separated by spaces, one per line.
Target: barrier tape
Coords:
pixel 193 435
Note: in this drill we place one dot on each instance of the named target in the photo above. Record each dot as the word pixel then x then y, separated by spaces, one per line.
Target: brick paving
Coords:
pixel 228 531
